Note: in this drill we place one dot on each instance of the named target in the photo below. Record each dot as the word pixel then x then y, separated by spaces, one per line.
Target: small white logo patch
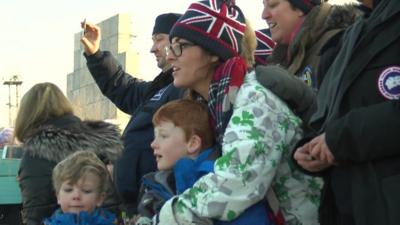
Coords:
pixel 159 94
pixel 389 83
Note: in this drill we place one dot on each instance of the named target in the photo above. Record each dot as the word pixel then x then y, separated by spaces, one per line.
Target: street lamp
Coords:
pixel 12 82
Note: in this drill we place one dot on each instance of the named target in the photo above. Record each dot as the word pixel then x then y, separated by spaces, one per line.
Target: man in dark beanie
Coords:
pixel 357 123
pixel 162 26
pixel 137 98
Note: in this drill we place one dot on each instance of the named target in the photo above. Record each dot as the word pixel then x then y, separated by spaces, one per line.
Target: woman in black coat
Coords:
pixel 357 122
pixel 50 132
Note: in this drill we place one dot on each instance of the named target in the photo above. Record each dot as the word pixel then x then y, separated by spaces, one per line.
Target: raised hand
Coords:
pixel 91 38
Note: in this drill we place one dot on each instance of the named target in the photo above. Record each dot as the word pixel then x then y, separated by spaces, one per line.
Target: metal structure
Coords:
pixel 13 81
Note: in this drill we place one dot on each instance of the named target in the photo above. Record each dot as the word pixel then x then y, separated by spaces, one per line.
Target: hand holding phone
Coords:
pixel 84 27
pixel 91 35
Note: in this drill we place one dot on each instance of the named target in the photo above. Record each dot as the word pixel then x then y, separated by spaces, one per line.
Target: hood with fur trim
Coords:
pixel 54 143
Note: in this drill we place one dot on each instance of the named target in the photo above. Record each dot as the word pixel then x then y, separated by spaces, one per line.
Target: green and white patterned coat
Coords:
pixel 256 155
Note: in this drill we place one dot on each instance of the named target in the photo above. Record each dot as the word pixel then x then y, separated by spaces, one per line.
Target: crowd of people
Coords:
pixel 294 124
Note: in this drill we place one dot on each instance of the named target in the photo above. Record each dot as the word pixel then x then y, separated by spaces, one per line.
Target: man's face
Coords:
pixel 160 41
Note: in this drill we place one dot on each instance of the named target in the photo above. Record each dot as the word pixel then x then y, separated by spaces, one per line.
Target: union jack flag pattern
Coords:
pixel 265 46
pixel 216 25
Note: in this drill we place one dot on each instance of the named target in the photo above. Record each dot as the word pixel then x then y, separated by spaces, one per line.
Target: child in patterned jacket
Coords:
pixel 183 147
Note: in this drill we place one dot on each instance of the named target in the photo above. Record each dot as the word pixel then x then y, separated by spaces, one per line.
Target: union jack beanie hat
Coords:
pixel 217 26
pixel 305 5
pixel 265 45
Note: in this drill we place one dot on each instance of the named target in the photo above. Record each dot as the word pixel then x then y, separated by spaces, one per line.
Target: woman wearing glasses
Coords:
pixel 211 52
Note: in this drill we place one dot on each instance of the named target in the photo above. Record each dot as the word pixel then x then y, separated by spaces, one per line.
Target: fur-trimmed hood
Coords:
pixel 54 143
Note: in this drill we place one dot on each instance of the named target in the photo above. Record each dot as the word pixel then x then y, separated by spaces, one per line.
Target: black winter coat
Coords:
pixel 51 143
pixel 359 110
pixel 141 100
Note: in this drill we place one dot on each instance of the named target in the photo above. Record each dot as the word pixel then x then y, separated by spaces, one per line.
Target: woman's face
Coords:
pixel 192 66
pixel 281 18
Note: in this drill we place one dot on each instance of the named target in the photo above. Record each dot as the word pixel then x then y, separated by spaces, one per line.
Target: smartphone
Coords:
pixel 84 27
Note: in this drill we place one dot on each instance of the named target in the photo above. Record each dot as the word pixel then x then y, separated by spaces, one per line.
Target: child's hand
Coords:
pixel 126 220
pixel 143 221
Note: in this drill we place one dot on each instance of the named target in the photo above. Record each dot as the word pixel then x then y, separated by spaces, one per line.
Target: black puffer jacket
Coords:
pixel 51 143
pixel 359 111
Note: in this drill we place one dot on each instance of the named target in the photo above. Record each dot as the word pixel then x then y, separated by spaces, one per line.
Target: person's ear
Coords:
pixel 101 199
pixel 58 199
pixel 214 58
pixel 194 145
pixel 299 13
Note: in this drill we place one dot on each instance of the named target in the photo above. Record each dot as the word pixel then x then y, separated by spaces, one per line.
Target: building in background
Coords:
pixel 82 91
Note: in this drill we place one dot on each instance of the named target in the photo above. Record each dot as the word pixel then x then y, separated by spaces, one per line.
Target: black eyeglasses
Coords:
pixel 177 48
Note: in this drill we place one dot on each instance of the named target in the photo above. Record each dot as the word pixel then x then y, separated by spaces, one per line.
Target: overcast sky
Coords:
pixel 37 37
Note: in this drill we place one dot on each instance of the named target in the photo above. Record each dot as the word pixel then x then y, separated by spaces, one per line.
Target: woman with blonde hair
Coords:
pixel 49 132
pixel 211 49
pixel 40 103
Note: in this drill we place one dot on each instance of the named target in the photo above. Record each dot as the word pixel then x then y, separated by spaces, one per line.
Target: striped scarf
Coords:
pixel 224 86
